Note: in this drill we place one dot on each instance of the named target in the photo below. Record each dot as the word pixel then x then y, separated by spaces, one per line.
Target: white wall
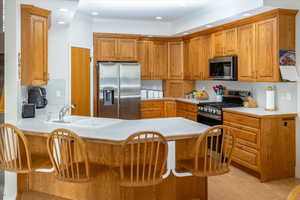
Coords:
pixel 132 27
pixel 214 11
pixel 12 83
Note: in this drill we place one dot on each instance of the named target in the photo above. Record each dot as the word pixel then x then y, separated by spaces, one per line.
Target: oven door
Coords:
pixel 223 68
pixel 209 119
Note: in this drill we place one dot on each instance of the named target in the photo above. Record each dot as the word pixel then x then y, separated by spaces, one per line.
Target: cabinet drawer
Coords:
pixel 152 104
pixel 246 135
pixel 154 113
pixel 241 119
pixel 246 156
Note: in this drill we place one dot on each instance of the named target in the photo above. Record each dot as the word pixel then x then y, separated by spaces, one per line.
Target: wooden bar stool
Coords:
pixel 144 157
pixel 69 157
pixel 14 153
pixel 294 194
pixel 213 151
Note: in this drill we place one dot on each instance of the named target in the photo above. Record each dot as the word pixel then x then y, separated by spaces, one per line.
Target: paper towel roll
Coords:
pixel 270 99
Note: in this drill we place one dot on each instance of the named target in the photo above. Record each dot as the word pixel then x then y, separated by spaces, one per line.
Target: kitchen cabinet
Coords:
pixel 176 63
pixel 143 58
pixel 230 42
pixel 115 49
pixel 186 58
pixel 194 61
pixel 178 88
pixel 204 55
pixel 264 144
pixel 187 110
pixel 34 45
pixel 170 108
pixel 266 51
pixel 246 52
pixel 159 60
pixel 152 109
pixel 218 44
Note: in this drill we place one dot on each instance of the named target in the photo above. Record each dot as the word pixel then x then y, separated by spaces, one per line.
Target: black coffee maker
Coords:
pixel 37 96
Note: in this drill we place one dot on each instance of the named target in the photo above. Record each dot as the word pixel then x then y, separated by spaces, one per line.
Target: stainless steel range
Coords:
pixel 211 113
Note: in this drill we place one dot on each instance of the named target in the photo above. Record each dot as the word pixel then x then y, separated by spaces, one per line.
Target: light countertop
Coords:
pixel 115 129
pixel 260 111
pixel 194 101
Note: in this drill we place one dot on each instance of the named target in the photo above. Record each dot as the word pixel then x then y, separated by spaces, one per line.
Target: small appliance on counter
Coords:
pixel 28 110
pixel 37 96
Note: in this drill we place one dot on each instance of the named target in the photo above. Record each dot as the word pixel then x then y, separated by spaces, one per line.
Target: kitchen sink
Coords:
pixel 88 122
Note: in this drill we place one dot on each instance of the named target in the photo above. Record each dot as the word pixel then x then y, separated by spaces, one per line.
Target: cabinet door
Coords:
pixel 194 59
pixel 39 50
pixel 174 88
pixel 170 108
pixel 204 55
pixel 187 66
pixel 246 42
pixel 218 44
pixel 230 38
pixel 159 57
pixel 143 58
pixel 106 49
pixel 127 49
pixel 175 60
pixel 266 57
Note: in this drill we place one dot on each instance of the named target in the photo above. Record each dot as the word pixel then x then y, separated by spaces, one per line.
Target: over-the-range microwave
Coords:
pixel 223 68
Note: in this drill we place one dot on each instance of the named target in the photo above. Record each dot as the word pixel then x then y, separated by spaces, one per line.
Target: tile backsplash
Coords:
pixel 286 93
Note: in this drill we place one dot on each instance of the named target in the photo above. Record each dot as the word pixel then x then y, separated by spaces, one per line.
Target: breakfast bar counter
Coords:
pixel 103 139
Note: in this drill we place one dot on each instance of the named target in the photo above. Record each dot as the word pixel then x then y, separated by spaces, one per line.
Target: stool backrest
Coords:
pixel 214 151
pixel 144 157
pixel 67 152
pixel 14 153
pixel 294 194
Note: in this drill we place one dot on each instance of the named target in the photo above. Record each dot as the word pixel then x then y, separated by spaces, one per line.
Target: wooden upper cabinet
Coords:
pixel 187 66
pixel 266 51
pixel 127 49
pixel 143 59
pixel 176 64
pixel 218 44
pixel 34 45
pixel 159 60
pixel 106 49
pixel 204 55
pixel 194 59
pixel 230 42
pixel 115 49
pixel 246 51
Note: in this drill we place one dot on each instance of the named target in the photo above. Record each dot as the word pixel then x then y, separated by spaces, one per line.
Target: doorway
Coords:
pixel 80 81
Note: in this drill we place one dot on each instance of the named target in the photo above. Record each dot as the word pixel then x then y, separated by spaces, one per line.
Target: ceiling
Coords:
pixel 166 10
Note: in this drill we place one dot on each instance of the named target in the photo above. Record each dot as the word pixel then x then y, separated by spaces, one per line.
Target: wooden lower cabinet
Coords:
pixel 187 110
pixel 168 108
pixel 264 144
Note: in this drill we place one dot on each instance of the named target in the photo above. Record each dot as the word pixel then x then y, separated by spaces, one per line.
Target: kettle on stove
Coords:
pixel 37 96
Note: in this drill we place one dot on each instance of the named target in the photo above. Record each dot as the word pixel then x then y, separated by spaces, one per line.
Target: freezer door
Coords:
pixel 109 90
pixel 130 91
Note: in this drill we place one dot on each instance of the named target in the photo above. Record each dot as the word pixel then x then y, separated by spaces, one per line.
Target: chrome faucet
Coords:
pixel 64 110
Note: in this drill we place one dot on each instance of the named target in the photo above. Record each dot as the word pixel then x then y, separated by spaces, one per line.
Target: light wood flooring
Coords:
pixel 237 185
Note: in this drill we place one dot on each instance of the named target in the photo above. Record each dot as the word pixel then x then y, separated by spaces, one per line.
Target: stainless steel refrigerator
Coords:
pixel 119 90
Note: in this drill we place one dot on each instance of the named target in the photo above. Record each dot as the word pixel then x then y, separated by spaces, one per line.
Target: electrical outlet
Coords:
pixel 58 93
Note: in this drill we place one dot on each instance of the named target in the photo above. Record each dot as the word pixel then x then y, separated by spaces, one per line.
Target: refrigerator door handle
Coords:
pixel 108 96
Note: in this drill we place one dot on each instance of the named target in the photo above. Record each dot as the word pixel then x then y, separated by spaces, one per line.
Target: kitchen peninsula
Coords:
pixel 103 138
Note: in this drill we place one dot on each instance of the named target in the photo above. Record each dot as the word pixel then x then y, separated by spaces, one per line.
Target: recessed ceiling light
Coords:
pixel 63 10
pixel 185 33
pixel 95 13
pixel 158 18
pixel 246 14
pixel 61 22
pixel 182 4
pixel 208 26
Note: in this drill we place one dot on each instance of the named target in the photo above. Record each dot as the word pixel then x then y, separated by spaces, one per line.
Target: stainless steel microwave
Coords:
pixel 223 68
